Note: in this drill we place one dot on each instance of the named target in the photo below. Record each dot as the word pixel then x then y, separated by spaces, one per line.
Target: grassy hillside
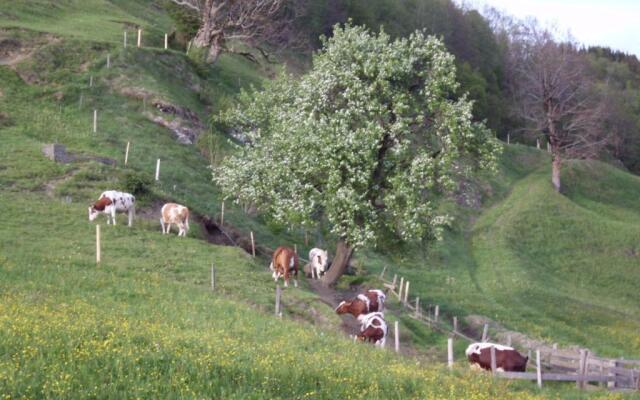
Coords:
pixel 145 324
pixel 561 268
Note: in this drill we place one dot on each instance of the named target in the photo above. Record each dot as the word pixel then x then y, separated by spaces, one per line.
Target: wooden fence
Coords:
pixel 548 365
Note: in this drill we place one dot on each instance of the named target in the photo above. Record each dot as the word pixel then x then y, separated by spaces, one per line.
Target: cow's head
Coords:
pixel 98 207
pixel 93 213
pixel 343 307
pixel 355 307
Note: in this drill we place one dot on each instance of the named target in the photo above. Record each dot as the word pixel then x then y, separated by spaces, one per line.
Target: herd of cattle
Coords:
pixel 112 202
pixel 367 307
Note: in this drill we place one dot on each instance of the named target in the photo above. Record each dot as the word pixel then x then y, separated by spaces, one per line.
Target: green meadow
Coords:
pixel 144 323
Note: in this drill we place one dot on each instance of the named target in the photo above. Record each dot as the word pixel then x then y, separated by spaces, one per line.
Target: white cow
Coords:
pixel 111 202
pixel 318 259
pixel 173 213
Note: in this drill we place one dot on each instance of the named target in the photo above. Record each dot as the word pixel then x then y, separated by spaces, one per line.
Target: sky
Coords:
pixel 612 23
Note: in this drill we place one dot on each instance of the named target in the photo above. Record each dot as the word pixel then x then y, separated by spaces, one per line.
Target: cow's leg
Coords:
pixel 295 278
pixel 113 215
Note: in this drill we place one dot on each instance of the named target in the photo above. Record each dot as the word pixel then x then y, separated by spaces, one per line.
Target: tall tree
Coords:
pixel 367 140
pixel 254 22
pixel 553 95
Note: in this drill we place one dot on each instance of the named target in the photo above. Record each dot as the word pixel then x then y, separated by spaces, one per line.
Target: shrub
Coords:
pixel 136 183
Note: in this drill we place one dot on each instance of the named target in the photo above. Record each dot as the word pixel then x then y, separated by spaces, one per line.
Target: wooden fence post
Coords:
pixel 213 277
pixel 222 214
pixel 538 143
pixel 139 37
pixel 436 313
pixel 450 352
pixel 91 81
pixel 582 367
pixel 548 148
pixel 400 290
pixel 98 244
pixel 509 340
pixel 295 249
pixel 395 279
pixel 124 41
pixel 278 294
pixel 384 269
pixel 493 359
pixel 485 332
pixel 253 246
pixel 538 369
pixel 406 292
pixel 108 60
pixel 166 41
pixel 396 336
pixel 126 154
pixel 417 307
pixel 95 121
pixel 455 324
pixel 158 170
pixel 508 138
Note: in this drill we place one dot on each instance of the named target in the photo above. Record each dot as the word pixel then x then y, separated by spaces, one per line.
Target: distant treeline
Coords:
pixel 481 44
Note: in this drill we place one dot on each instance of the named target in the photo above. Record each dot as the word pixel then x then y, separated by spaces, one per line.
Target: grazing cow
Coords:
pixel 173 213
pixel 111 202
pixel 373 329
pixel 507 358
pixel 318 259
pixel 370 301
pixel 284 261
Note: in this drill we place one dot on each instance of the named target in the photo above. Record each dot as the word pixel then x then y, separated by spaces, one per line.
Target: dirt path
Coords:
pixel 333 297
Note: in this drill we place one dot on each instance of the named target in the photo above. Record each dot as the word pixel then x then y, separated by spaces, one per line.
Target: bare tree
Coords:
pixel 254 22
pixel 554 96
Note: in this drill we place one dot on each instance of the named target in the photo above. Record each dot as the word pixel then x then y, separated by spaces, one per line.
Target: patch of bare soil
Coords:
pixel 184 123
pixel 332 298
pixel 50 187
pixel 13 51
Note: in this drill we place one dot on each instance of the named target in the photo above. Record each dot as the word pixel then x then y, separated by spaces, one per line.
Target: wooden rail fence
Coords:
pixel 550 364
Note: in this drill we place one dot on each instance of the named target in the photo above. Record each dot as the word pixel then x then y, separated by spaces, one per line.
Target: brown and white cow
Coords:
pixel 283 262
pixel 373 329
pixel 173 213
pixel 111 202
pixel 370 301
pixel 507 358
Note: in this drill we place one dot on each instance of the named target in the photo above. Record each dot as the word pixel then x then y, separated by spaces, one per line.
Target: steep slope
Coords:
pixel 144 323
pixel 557 267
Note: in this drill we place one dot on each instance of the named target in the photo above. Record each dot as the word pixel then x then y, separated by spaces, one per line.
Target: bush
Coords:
pixel 136 183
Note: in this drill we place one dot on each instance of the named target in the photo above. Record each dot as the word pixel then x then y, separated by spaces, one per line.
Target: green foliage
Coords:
pixel 186 20
pixel 366 139
pixel 136 183
pixel 466 34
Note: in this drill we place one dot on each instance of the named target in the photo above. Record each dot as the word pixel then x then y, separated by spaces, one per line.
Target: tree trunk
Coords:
pixel 209 35
pixel 555 172
pixel 339 264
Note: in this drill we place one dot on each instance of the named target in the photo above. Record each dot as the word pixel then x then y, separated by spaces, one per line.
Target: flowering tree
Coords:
pixel 366 140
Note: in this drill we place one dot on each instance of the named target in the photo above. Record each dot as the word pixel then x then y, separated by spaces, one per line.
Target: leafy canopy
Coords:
pixel 367 139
